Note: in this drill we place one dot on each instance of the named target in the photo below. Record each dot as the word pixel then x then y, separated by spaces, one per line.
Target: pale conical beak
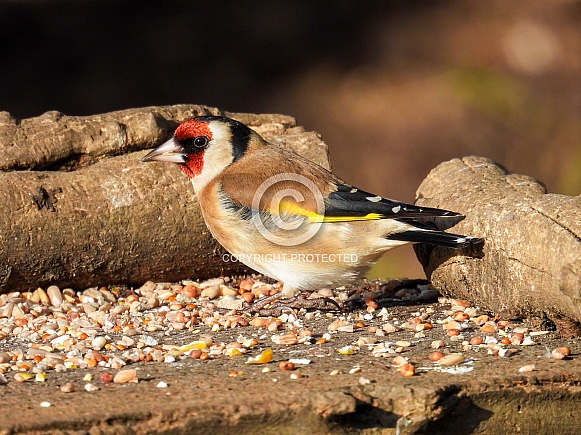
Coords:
pixel 169 151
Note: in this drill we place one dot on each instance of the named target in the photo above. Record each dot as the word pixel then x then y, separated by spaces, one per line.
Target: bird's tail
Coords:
pixel 435 238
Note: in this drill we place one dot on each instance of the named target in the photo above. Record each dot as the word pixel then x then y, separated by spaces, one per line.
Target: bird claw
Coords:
pixel 275 304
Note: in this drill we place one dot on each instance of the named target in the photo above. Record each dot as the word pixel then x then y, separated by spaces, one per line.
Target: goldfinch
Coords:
pixel 286 217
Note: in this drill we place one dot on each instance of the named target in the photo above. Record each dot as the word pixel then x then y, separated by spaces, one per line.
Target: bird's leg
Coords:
pixel 291 299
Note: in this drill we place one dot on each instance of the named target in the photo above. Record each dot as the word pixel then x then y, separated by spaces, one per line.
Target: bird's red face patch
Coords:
pixel 192 128
pixel 193 165
pixel 187 132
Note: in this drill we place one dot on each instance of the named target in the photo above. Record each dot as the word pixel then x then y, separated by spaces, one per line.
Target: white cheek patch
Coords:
pixel 217 157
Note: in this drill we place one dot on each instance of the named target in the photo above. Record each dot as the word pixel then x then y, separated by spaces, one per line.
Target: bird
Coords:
pixel 287 217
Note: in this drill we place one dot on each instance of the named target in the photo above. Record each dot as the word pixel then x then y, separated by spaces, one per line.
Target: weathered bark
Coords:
pixel 79 209
pixel 530 263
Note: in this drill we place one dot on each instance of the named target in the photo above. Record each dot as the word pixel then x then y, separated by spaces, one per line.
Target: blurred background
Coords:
pixel 394 87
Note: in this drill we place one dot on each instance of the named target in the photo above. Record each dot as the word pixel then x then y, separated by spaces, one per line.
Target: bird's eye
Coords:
pixel 201 142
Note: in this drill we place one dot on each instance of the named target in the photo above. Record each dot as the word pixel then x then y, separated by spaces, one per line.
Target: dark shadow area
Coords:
pixel 462 419
pixel 365 416
pixel 90 57
pixel 432 256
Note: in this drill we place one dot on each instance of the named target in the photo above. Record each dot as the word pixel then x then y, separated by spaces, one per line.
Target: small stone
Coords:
pixel 389 328
pixel 436 356
pixel 475 341
pixel 365 340
pixel 334 326
pixel 161 384
pixel 195 354
pixel 561 353
pixel 452 359
pixel 89 308
pixel 212 282
pixel 286 365
pixel 326 293
pixel 517 338
pixel 211 292
pixel 407 370
pixel 44 299
pixel 118 309
pixel 90 387
pixel 285 339
pixel 296 375
pixel 452 325
pixel 437 344
pixel 506 352
pixel 148 340
pixel 228 291
pixel 403 343
pixel 345 328
pixel 45 404
pixel 399 361
pixel 106 377
pixel 127 341
pixel 260 322
pixel 527 368
pixel 124 376
pixel 528 341
pixel 460 303
pixel 55 296
pixel 69 387
pixel 489 327
pixel 98 343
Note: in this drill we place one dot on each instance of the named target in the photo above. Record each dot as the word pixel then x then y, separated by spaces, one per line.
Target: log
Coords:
pixel 79 209
pixel 530 264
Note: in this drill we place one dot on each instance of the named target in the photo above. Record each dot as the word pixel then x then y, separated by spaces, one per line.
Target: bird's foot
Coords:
pixel 275 304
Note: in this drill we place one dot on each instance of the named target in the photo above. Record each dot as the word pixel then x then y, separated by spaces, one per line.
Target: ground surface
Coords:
pixel 351 383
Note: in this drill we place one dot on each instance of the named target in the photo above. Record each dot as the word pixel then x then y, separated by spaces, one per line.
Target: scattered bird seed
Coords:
pixel 108 328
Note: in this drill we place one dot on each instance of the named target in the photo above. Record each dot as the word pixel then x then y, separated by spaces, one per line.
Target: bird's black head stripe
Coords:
pixel 240 134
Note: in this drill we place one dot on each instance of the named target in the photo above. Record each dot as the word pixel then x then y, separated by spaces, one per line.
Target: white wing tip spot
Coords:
pixel 354 190
pixel 374 198
pixel 396 209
